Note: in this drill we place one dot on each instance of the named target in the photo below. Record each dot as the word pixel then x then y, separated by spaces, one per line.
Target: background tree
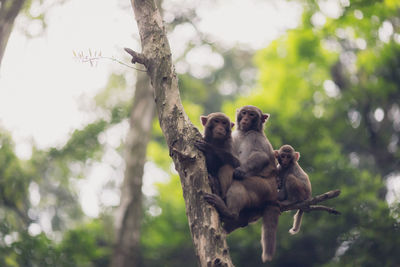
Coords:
pixel 9 10
pixel 127 250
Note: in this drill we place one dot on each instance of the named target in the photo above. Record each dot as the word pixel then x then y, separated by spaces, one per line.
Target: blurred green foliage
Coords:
pixel 312 82
pixel 165 236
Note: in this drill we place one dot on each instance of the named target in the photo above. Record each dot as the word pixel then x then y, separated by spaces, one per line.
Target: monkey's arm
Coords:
pixel 254 164
pixel 259 156
pixel 223 155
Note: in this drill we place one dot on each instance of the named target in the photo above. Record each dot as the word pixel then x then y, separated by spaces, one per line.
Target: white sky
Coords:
pixel 42 87
pixel 44 91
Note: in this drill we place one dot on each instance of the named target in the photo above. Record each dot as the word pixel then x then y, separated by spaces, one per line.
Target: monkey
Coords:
pixel 254 182
pixel 259 153
pixel 217 147
pixel 295 184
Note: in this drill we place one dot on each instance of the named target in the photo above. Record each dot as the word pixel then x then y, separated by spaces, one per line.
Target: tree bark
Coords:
pixel 208 236
pixel 9 10
pixel 128 224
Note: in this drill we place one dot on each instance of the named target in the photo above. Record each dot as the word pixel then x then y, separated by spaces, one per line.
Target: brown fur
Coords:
pixel 254 182
pixel 217 147
pixel 295 184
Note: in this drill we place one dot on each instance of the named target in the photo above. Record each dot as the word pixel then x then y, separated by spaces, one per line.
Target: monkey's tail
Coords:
pixel 296 222
pixel 268 232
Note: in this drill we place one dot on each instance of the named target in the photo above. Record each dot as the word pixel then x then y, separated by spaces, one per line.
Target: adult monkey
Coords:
pixel 217 148
pixel 254 182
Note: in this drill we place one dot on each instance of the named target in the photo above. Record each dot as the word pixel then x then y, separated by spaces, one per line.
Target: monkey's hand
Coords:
pixel 235 162
pixel 239 174
pixel 281 195
pixel 220 206
pixel 202 145
pixel 279 182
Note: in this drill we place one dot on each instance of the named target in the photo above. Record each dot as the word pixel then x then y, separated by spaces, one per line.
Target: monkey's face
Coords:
pixel 217 127
pixel 248 119
pixel 220 128
pixel 285 159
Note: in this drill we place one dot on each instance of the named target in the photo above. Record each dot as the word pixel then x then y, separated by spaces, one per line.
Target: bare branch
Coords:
pixel 136 57
pixel 309 205
pixel 325 208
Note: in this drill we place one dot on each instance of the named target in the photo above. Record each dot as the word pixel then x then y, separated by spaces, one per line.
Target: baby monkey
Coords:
pixel 293 182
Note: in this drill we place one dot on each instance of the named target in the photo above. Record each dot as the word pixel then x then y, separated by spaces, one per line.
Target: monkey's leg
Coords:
pixel 219 204
pixel 260 191
pixel 214 184
pixel 293 189
pixel 225 174
pixel 237 198
pixel 296 222
pixel 246 216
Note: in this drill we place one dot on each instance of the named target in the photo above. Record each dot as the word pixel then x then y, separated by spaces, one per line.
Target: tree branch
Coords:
pixel 136 57
pixel 309 205
pixel 209 238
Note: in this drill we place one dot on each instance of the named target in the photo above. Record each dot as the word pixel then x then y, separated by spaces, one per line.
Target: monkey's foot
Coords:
pixel 238 174
pixel 281 195
pixel 219 204
pixel 213 200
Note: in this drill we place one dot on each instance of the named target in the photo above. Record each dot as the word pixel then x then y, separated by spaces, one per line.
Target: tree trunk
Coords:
pixel 127 227
pixel 9 10
pixel 208 236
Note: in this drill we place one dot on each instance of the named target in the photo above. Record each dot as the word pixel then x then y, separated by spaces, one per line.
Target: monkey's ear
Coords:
pixel 264 117
pixel 203 120
pixel 296 155
pixel 232 124
pixel 276 152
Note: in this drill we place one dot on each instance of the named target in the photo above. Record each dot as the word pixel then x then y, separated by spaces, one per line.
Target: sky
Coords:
pixel 43 89
pixel 45 93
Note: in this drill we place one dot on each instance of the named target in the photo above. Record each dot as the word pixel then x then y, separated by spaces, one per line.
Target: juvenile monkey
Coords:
pixel 250 143
pixel 217 148
pixel 295 184
pixel 255 180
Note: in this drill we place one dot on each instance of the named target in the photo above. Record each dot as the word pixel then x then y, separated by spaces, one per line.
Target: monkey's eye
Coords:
pixel 243 112
pixel 223 122
pixel 216 121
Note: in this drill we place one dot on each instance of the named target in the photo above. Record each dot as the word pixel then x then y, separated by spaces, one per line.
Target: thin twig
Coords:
pixel 109 58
